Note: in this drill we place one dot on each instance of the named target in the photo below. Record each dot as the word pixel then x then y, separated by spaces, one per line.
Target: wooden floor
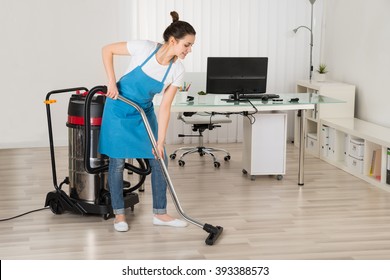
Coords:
pixel 333 216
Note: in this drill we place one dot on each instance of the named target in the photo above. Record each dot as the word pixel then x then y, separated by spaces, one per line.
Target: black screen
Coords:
pixel 236 75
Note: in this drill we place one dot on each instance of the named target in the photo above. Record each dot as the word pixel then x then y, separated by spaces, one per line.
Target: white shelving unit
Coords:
pixel 357 147
pixel 264 146
pixel 341 91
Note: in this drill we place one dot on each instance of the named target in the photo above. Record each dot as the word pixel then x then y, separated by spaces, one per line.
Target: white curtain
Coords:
pixel 234 28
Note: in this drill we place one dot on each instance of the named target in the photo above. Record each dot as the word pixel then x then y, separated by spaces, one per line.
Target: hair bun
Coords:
pixel 175 16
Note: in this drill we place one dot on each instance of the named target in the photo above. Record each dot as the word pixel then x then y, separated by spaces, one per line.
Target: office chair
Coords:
pixel 200 122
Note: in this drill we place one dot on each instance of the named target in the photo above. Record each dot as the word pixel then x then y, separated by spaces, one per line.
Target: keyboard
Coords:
pixel 258 96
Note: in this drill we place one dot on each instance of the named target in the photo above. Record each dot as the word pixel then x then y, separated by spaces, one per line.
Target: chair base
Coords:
pixel 202 151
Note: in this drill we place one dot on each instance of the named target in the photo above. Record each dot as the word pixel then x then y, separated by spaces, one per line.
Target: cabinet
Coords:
pixel 264 145
pixel 341 91
pixel 358 147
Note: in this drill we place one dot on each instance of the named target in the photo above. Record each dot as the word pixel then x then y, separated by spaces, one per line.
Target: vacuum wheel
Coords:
pixel 107 216
pixel 106 200
pixel 56 207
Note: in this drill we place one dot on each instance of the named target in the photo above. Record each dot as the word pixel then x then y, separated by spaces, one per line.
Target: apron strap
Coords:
pixel 150 56
pixel 166 73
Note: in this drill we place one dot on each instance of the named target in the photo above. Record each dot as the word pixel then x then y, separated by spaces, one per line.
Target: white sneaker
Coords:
pixel 173 223
pixel 121 226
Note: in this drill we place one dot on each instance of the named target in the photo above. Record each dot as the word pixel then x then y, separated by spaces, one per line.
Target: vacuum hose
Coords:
pixel 144 167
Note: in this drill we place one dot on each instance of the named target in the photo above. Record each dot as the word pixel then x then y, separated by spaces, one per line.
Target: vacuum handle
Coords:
pixel 50 128
pixel 65 90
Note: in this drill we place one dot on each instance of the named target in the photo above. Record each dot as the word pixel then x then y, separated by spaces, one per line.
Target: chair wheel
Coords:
pixel 226 158
pixel 279 177
pixel 172 156
pixel 217 164
pixel 181 162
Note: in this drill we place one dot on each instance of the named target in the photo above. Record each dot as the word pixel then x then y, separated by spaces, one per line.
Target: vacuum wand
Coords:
pixel 214 231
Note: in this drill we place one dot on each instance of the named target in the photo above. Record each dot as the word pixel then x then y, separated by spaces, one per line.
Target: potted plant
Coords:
pixel 202 97
pixel 321 72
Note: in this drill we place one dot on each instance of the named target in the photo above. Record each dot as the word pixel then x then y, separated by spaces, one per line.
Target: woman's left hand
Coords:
pixel 160 150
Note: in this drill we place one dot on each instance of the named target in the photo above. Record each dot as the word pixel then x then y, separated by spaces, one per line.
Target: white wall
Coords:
pixel 357 51
pixel 47 45
pixel 54 44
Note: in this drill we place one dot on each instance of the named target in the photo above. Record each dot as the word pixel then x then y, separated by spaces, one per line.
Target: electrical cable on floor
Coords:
pixel 36 210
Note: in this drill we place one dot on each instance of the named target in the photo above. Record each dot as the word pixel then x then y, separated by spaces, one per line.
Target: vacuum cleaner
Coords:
pixel 100 168
pixel 87 180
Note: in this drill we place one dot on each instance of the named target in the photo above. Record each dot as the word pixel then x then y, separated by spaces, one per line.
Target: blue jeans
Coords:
pixel 115 183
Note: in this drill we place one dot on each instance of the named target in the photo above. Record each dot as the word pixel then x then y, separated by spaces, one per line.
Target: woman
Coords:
pixel 153 68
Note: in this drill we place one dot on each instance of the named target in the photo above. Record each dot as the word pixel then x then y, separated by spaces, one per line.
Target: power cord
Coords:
pixel 250 116
pixel 36 210
pixel 66 181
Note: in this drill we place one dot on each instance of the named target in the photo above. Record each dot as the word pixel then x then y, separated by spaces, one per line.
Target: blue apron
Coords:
pixel 123 133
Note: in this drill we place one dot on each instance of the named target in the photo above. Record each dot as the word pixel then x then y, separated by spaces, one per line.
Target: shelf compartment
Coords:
pixel 376 139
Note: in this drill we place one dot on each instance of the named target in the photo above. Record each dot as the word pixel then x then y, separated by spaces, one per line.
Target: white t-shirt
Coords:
pixel 140 50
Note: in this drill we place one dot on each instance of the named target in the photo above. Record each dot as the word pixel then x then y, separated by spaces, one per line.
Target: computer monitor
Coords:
pixel 236 75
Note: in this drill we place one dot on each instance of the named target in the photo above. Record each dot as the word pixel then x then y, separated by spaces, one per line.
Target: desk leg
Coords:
pixel 302 133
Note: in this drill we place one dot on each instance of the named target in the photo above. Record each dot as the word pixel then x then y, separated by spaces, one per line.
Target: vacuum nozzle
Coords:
pixel 215 232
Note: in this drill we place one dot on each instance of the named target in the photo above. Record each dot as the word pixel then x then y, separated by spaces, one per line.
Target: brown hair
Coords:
pixel 178 29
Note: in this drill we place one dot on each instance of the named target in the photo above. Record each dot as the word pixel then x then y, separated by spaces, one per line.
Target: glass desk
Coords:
pixel 215 103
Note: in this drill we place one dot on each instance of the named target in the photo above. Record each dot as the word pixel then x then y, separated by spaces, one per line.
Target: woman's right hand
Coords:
pixel 112 91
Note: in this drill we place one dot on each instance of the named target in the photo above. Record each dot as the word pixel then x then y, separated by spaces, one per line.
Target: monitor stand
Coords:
pixel 235 97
